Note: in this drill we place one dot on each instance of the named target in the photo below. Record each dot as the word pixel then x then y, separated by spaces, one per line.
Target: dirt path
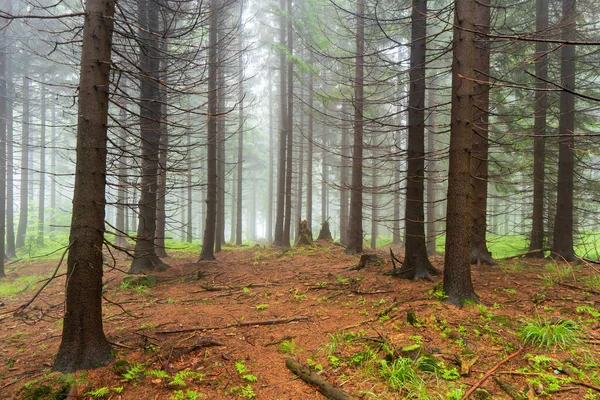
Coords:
pixel 196 319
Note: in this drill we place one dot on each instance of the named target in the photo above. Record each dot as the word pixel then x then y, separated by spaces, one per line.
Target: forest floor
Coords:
pixel 350 326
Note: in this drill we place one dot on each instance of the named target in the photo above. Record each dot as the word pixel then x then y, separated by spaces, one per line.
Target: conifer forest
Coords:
pixel 299 199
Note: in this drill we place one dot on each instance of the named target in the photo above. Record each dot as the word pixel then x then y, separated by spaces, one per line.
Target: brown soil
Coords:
pixel 204 300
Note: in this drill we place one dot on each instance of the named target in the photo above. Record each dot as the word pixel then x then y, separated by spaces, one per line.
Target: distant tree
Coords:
pixel 10 169
pixel 562 245
pixel 431 174
pixel 240 149
pixel 536 242
pixel 3 169
pixel 208 241
pixel 457 269
pixel 83 344
pixel 344 184
pixel 287 224
pixel 24 190
pixel 269 225
pixel 309 143
pixel 355 229
pixel 42 192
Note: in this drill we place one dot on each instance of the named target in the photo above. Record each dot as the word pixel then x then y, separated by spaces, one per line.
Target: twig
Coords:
pixel 274 342
pixel 237 325
pixel 312 378
pixel 578 288
pixel 120 306
pixel 22 308
pixel 490 372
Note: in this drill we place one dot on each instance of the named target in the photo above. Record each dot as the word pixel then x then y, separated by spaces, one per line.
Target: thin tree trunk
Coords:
pixel 324 173
pixel 83 344
pixel 240 150
pixel 374 205
pixel 310 140
pixel 3 119
pixel 24 200
pixel 458 285
pixel 416 264
pixel 344 184
pixel 431 175
pixel 479 154
pixel 221 132
pixel 208 242
pixel 355 229
pixel 145 257
pixel 161 215
pixel 279 215
pixel 42 193
pixel 10 169
pixel 121 225
pixel 269 224
pixel 562 246
pixel 300 171
pixel 290 132
pixel 53 210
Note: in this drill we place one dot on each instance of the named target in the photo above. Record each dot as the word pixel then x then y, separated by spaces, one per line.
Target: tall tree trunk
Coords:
pixel 221 132
pixel 416 264
pixel 355 229
pixel 208 242
pixel 281 164
pixel 479 154
pixel 344 184
pixel 290 131
pixel 310 140
pixel 269 224
pixel 458 285
pixel 324 173
pixel 145 257
pixel 24 200
pixel 396 238
pixel 240 153
pixel 161 215
pixel 300 171
pixel 190 203
pixel 53 210
pixel 374 205
pixel 431 174
pixel 536 243
pixel 42 194
pixel 562 245
pixel 83 344
pixel 3 118
pixel 120 224
pixel 10 169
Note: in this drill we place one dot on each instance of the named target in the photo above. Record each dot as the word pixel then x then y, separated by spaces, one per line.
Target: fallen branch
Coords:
pixel 578 288
pixel 312 378
pixel 274 342
pixel 508 389
pixel 490 372
pixel 237 324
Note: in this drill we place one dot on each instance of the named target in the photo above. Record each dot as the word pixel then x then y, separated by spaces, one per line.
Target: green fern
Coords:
pixel 181 376
pixel 158 374
pixel 98 393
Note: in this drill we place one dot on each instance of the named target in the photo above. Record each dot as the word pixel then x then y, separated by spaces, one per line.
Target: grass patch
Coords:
pixel 20 285
pixel 561 333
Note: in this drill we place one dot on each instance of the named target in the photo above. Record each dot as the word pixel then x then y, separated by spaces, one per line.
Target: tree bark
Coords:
pixel 416 264
pixel 208 242
pixel 24 199
pixel 457 273
pixel 240 150
pixel 120 224
pixel 145 258
pixel 42 192
pixel 310 140
pixel 431 175
pixel 562 245
pixel 163 150
pixel 269 224
pixel 355 229
pixel 3 118
pixel 83 344
pixel 344 184
pixel 281 164
pixel 479 154
pixel 290 131
pixel 10 170
pixel 374 205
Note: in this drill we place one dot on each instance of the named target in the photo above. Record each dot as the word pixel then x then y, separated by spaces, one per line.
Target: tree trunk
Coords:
pixel 310 143
pixel 431 175
pixel 300 172
pixel 290 132
pixel 324 173
pixel 120 224
pixel 83 344
pixel 10 170
pixel 269 224
pixel 374 205
pixel 479 161
pixel 344 184
pixel 416 264
pixel 457 273
pixel 221 129
pixel 240 150
pixel 24 200
pixel 208 242
pixel 355 230
pixel 562 246
pixel 42 193
pixel 145 258
pixel 281 165
pixel 161 215
pixel 3 118
pixel 53 210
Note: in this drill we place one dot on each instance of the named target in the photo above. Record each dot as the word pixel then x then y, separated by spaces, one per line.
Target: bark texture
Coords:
pixel 83 343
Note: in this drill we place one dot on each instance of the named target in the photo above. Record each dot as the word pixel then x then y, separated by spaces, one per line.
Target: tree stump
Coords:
pixel 325 233
pixel 304 235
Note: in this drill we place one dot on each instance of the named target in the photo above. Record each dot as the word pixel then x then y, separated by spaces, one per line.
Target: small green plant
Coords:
pixel 158 374
pixel 263 306
pixel 181 376
pixel 437 292
pixel 241 366
pixel 588 310
pixel 288 347
pixel 188 395
pixel 98 393
pixel 560 333
pixel 134 373
pixel 311 363
pixel 247 392
pixel 509 291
